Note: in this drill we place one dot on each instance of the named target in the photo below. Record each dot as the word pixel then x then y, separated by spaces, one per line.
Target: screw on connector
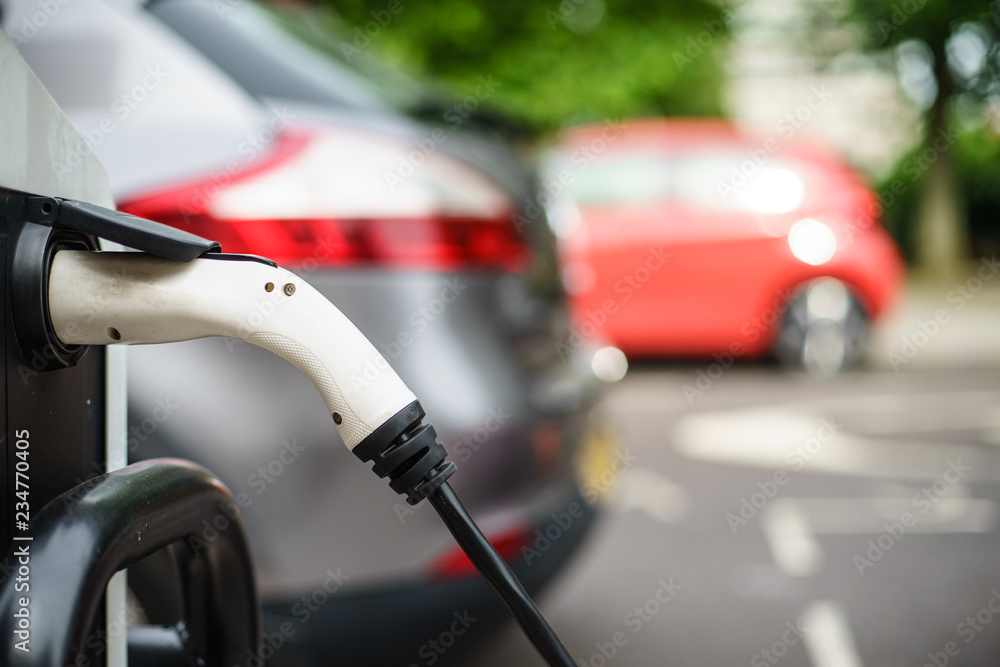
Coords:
pixel 289 289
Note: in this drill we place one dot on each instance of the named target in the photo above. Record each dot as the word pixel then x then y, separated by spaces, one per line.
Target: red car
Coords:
pixel 693 238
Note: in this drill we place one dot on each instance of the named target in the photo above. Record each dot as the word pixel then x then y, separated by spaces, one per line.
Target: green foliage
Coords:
pixel 979 174
pixel 888 22
pixel 976 158
pixel 557 63
pixel 901 204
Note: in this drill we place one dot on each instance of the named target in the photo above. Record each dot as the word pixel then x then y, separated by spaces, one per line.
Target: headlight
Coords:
pixel 812 242
pixel 772 190
pixel 609 364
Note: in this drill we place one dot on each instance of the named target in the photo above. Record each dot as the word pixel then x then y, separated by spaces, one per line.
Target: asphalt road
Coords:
pixel 773 519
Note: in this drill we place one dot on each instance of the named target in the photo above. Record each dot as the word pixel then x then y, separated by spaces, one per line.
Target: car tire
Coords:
pixel 825 329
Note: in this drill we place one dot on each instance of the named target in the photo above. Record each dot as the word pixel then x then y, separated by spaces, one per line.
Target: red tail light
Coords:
pixel 454 564
pixel 325 198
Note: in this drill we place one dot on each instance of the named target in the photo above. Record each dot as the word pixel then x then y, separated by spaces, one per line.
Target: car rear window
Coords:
pixel 282 54
pixel 633 179
pixel 711 180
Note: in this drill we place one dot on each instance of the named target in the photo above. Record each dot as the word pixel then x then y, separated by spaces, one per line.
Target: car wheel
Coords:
pixel 824 330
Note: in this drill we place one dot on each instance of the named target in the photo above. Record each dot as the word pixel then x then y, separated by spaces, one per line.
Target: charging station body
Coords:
pixel 53 421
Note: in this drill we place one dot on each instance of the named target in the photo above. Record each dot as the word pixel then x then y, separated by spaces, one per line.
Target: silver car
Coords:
pixel 415 217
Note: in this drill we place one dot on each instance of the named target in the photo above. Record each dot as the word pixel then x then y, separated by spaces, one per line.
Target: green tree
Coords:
pixel 941 234
pixel 558 61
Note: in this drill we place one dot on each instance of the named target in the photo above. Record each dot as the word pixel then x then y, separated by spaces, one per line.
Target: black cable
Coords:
pixel 416 464
pixel 498 575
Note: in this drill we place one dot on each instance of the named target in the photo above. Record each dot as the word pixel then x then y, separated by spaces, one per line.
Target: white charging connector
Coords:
pixel 103 298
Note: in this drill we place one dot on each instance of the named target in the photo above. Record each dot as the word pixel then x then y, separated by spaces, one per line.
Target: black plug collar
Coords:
pixel 408 453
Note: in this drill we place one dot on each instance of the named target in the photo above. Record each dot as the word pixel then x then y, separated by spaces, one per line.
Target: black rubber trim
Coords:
pixel 236 257
pixel 408 453
pixel 130 230
pixel 36 337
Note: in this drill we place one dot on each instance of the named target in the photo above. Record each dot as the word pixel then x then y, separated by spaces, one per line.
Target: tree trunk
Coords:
pixel 942 232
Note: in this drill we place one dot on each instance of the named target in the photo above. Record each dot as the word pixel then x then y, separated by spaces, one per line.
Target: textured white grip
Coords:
pixel 101 298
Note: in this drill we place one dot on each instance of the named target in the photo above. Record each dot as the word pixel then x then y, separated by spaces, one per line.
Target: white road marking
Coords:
pixel 911 401
pixel 774 437
pixel 791 524
pixel 828 637
pixel 843 516
pixel 650 492
pixel 779 439
pixel 788 534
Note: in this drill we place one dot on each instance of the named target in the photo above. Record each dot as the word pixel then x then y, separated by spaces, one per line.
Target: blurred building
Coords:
pixel 795 66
